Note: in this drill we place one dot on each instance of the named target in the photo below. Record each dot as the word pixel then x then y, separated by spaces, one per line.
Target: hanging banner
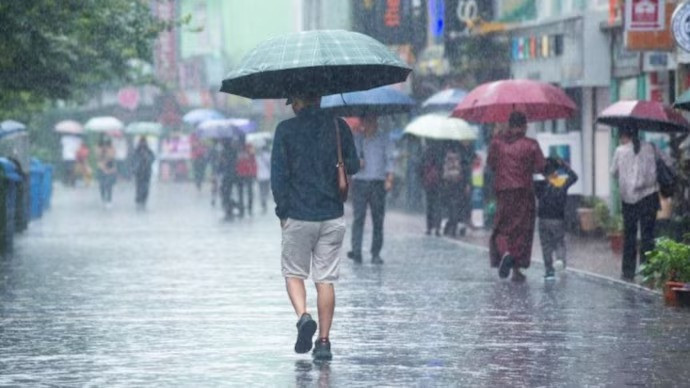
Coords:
pixel 645 15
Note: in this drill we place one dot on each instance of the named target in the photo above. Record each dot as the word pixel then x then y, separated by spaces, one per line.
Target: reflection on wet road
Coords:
pixel 176 297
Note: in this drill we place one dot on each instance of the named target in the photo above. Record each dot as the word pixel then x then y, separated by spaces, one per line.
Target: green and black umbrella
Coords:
pixel 315 63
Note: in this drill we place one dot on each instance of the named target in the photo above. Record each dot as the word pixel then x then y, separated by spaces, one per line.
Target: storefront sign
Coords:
pixel 651 39
pixel 645 15
pixel 534 47
pixel 391 21
pixel 680 25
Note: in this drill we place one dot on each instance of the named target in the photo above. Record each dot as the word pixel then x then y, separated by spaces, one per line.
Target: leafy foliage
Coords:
pixel 61 49
pixel 669 261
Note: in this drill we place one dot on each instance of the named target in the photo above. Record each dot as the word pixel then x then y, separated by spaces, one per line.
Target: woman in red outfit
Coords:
pixel 514 158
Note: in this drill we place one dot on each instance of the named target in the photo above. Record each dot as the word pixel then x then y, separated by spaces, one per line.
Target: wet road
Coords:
pixel 176 297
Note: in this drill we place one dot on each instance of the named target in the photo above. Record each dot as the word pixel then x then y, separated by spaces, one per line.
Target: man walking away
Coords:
pixel 514 158
pixel 552 195
pixel 142 160
pixel 370 185
pixel 308 203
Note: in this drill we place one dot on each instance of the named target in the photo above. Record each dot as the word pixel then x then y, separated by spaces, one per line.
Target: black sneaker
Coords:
pixel 505 266
pixel 357 257
pixel 376 260
pixel 306 327
pixel 322 350
pixel 550 275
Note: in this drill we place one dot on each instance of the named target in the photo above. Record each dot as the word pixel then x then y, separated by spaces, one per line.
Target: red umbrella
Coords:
pixel 649 116
pixel 493 102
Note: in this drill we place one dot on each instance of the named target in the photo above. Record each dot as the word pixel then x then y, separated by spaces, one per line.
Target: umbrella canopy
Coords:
pixel 69 127
pixel 445 99
pixel 314 62
pixel 259 139
pixel 11 126
pixel 244 125
pixel 379 101
pixel 144 128
pixel 218 129
pixel 107 124
pixel 493 102
pixel 648 116
pixel 196 116
pixel 441 127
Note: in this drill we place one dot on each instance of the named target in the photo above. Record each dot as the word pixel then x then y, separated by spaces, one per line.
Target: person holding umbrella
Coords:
pixel 310 210
pixel 514 158
pixel 142 160
pixel 634 166
pixel 313 153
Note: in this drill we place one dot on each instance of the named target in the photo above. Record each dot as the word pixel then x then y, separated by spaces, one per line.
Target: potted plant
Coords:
pixel 585 214
pixel 667 267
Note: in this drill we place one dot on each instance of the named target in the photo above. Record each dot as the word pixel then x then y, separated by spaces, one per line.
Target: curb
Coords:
pixel 578 272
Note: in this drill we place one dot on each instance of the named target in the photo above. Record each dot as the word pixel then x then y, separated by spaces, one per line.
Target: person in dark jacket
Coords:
pixel 227 165
pixel 552 194
pixel 308 203
pixel 141 162
pixel 430 171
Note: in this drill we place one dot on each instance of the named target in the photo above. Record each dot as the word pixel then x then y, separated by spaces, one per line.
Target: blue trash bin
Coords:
pixel 9 185
pixel 47 185
pixel 36 172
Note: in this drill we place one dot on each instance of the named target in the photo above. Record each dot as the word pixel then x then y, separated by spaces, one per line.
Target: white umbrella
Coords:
pixel 69 127
pixel 441 127
pixel 104 124
pixel 259 139
pixel 144 128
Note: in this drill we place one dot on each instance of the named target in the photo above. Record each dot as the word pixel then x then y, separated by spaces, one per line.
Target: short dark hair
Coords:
pixel 551 165
pixel 517 120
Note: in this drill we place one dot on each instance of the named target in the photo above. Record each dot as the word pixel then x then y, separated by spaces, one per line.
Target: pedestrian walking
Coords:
pixel 370 185
pixel 456 185
pixel 263 174
pixel 552 195
pixel 70 146
pixel 107 171
pixel 142 160
pixel 199 155
pixel 246 175
pixel 514 158
pixel 308 203
pixel 227 165
pixel 634 165
pixel 431 181
pixel 214 158
pixel 82 168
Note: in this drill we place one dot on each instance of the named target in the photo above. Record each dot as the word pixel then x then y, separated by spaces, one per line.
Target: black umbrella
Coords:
pixel 314 63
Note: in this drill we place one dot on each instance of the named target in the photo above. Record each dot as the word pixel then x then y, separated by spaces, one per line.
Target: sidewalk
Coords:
pixel 588 254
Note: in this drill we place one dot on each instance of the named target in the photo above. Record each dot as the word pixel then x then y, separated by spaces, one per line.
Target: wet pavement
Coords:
pixel 174 296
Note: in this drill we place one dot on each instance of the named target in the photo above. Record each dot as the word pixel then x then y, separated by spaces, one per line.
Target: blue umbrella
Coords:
pixel 379 101
pixel 11 126
pixel 196 116
pixel 445 99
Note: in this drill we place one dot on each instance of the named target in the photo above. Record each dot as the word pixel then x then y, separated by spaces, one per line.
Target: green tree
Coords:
pixel 63 49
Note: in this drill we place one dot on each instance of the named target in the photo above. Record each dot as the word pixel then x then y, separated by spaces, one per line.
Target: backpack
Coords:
pixel 452 167
pixel 430 175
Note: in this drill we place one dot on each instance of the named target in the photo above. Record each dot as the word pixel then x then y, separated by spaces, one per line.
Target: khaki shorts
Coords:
pixel 312 247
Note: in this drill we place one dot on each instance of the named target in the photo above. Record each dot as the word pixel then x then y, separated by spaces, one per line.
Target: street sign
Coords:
pixel 680 24
pixel 645 15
